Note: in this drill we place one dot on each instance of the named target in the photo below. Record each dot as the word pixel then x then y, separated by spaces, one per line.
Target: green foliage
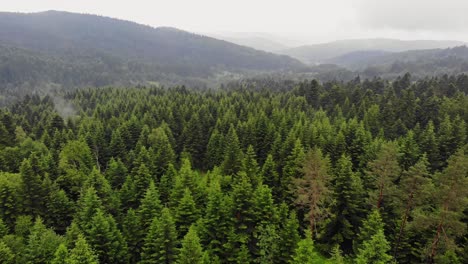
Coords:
pixel 60 255
pixel 106 239
pixel 250 166
pixel 191 251
pixel 6 255
pixel 305 253
pixel 81 253
pixel 160 244
pixel 374 250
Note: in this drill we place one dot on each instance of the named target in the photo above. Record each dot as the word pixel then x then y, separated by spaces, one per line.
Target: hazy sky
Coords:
pixel 305 21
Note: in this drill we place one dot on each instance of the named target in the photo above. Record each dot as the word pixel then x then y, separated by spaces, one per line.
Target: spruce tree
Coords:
pixel 133 234
pixel 150 206
pixel 270 176
pixel 106 240
pixel 288 237
pixel 369 228
pixel 186 213
pixel 191 251
pixel 347 209
pixel 61 255
pixel 250 167
pixel 41 243
pixel 6 255
pixel 160 244
pixel 233 155
pixel 374 250
pixel 305 252
pixel 82 253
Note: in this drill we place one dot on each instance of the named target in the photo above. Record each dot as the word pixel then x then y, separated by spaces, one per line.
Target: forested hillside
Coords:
pixel 359 172
pixel 420 63
pixel 321 53
pixel 81 50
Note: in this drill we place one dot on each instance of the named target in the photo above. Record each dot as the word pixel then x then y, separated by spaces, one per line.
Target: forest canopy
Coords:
pixel 365 171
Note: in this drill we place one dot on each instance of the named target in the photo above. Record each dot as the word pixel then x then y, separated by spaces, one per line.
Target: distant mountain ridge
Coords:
pixel 321 53
pixel 123 48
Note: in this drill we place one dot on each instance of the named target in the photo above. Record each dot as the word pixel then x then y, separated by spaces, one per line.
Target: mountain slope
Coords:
pixel 128 49
pixel 320 53
pixel 420 63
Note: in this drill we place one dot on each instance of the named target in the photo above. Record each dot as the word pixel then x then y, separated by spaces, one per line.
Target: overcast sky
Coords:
pixel 304 21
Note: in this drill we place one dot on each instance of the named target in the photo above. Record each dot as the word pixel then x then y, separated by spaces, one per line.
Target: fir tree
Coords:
pixel 305 252
pixel 61 255
pixel 160 244
pixel 81 253
pixel 186 213
pixel 233 155
pixel 150 206
pixel 191 251
pixel 374 250
pixel 106 240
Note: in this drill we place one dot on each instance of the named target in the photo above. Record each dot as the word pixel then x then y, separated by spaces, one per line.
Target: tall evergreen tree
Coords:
pixel 374 250
pixel 347 209
pixel 191 251
pixel 150 206
pixel 106 240
pixel 233 155
pixel 186 213
pixel 81 253
pixel 160 244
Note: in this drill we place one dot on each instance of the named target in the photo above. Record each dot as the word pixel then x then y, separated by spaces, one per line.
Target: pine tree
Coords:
pixel 382 174
pixel 116 173
pixel 186 213
pixel 312 190
pixel 61 255
pixel 141 179
pixel 292 169
pixel 191 251
pixel 347 209
pixel 160 244
pixel 233 155
pixel 87 206
pixel 215 149
pixel 106 240
pixel 32 185
pixel 305 252
pixel 81 253
pixel 369 228
pixel 150 206
pixel 288 237
pixel 270 176
pixel 267 243
pixel 374 250
pixel 250 167
pixel 41 243
pixel 133 235
pixel 243 202
pixel 336 256
pixel 451 193
pixel 217 221
pixel 164 153
pixel 415 188
pixel 6 255
pixel 59 209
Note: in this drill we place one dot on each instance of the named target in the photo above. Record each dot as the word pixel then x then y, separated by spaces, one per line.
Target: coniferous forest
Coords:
pixel 366 171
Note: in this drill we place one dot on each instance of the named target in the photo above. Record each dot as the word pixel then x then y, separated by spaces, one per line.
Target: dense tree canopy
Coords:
pixel 360 172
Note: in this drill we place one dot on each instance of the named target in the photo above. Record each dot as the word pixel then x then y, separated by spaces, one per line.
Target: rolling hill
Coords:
pixel 83 50
pixel 321 53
